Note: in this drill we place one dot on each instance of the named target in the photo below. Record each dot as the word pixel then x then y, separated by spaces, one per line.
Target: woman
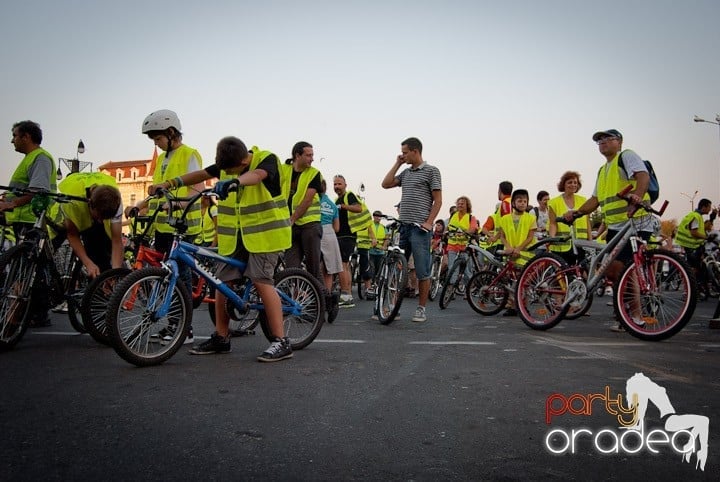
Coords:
pixel 569 200
pixel 461 226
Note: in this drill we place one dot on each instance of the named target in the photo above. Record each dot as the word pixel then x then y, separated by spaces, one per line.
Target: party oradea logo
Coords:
pixel 683 434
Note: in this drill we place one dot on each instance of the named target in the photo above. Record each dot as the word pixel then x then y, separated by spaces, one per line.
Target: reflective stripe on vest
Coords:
pixel 208 226
pixel 363 239
pixel 515 236
pixel 455 238
pixel 684 237
pixel 312 214
pixel 21 179
pixel 357 221
pixel 177 166
pixel 557 204
pixel 610 182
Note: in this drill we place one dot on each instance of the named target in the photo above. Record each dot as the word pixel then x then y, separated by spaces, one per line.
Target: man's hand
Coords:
pixel 223 188
pixel 92 270
pixel 154 187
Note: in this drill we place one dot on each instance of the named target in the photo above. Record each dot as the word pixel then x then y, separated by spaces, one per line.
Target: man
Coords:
pixel 691 236
pixel 420 203
pixel 612 179
pixel 37 170
pixel 304 204
pixel 505 189
pixel 353 218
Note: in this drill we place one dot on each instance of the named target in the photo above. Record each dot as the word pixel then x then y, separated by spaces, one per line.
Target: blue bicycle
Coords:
pixel 151 300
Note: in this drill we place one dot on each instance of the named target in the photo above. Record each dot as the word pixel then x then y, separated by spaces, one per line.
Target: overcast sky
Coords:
pixel 495 90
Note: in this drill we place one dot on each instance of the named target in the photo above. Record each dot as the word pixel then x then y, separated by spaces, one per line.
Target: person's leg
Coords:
pixel 261 270
pixel 311 235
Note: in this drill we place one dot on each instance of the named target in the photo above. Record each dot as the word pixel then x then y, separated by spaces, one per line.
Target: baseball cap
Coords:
pixel 607 133
pixel 377 213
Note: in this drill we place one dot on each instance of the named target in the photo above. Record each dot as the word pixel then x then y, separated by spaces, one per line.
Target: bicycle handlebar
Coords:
pixel 396 220
pixel 58 196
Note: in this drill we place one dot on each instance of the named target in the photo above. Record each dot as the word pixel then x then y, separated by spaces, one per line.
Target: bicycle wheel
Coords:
pixel 435 283
pixel 486 294
pixel 301 287
pixel 94 303
pixel 241 323
pixel 713 275
pixel 138 335
pixel 541 291
pixel 448 290
pixel 17 273
pixel 583 303
pixel 75 287
pixel 391 288
pixel 665 300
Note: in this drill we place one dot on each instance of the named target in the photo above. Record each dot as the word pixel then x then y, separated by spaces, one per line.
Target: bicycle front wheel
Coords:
pixel 486 294
pixel 75 288
pixel 138 334
pixel 448 290
pixel 435 278
pixel 17 272
pixel 391 287
pixel 301 287
pixel 541 291
pixel 94 303
pixel 662 302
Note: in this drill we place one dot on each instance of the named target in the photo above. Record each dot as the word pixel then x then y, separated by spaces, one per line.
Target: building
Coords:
pixel 133 177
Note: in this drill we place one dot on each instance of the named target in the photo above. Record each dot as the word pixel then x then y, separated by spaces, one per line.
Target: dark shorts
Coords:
pixel 347 247
pixel 626 254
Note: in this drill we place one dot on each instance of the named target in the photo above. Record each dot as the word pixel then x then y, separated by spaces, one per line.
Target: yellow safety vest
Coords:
pixel 457 238
pixel 515 236
pixel 312 214
pixel 684 237
pixel 208 226
pixel 557 204
pixel 357 221
pixel 363 239
pixel 78 211
pixel 177 166
pixel 21 179
pixel 610 182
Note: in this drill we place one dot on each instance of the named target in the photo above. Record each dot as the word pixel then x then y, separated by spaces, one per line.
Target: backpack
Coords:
pixel 654 185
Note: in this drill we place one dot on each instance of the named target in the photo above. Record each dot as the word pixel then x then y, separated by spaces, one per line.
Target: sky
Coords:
pixel 496 91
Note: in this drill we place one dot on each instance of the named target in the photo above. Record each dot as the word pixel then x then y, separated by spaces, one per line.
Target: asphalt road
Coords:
pixel 460 397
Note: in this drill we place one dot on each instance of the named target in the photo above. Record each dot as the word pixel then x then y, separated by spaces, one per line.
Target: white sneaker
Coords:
pixel 420 315
pixel 61 308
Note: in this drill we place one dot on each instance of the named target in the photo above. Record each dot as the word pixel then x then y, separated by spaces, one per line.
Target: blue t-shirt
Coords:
pixel 328 210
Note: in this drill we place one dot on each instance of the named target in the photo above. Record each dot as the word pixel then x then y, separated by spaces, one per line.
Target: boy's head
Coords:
pixel 104 202
pixel 520 199
pixel 163 127
pixel 231 155
pixel 504 189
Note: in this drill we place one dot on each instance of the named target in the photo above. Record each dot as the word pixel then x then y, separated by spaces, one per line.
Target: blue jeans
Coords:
pixel 416 241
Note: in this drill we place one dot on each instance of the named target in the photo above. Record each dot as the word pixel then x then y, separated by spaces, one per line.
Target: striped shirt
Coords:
pixel 417 192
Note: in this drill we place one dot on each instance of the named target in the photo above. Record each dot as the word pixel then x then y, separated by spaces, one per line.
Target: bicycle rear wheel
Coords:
pixel 241 323
pixel 391 287
pixel 435 283
pixel 75 286
pixel 541 291
pixel 665 301
pixel 301 287
pixel 486 294
pixel 139 336
pixel 17 273
pixel 448 290
pixel 94 303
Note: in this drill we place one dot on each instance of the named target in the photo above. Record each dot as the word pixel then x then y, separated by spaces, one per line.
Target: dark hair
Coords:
pixel 704 203
pixel 412 143
pixel 505 187
pixel 30 128
pixel 230 152
pixel 517 193
pixel 105 200
pixel 171 133
pixel 566 177
pixel 299 148
pixel 541 194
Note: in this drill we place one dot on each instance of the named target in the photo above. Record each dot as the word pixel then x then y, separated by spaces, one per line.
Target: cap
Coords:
pixel 377 213
pixel 607 133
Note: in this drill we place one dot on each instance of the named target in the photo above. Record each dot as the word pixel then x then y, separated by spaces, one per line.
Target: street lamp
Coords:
pixel 717 123
pixel 691 198
pixel 75 165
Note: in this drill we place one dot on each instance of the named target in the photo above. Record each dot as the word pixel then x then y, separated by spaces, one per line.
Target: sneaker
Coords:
pixel 346 301
pixel 215 345
pixel 279 349
pixel 510 312
pixel 166 334
pixel 419 314
pixel 61 308
pixel 189 339
pixel 40 320
pixel 618 328
pixel 608 291
pixel 374 318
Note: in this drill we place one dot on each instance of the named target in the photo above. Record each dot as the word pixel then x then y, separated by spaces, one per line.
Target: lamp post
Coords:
pixel 691 198
pixel 75 165
pixel 716 122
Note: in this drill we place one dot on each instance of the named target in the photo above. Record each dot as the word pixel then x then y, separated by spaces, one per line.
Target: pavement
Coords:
pixel 459 397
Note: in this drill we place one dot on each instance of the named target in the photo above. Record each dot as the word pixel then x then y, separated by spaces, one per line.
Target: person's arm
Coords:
pixel 434 210
pixel 529 240
pixel 117 253
pixel 73 237
pixel 353 205
pixel 552 222
pixel 336 224
pixel 390 180
pixel 371 235
pixel 587 208
pixel 302 208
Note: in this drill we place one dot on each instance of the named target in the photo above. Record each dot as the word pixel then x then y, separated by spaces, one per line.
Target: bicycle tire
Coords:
pixel 485 294
pixel 17 273
pixel 391 288
pixel 664 309
pixel 435 278
pixel 303 288
pixel 448 290
pixel 713 274
pixel 541 291
pixel 136 335
pixel 74 292
pixel 240 323
pixel 94 303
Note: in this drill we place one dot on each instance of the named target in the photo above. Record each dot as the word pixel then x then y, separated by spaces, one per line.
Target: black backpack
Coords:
pixel 654 185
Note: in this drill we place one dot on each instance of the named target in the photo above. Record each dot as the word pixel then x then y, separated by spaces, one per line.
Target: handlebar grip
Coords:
pixel 663 208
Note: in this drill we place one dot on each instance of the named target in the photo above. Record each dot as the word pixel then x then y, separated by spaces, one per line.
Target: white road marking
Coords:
pixel 452 343
pixel 318 340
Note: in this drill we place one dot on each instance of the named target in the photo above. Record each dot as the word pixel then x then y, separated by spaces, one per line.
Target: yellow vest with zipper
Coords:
pixel 21 179
pixel 684 237
pixel 515 236
pixel 557 204
pixel 610 182
pixel 312 214
pixel 357 221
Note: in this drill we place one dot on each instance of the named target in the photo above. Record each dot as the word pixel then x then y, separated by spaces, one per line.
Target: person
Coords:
pixel 366 240
pixel 164 129
pixel 253 226
pixel 691 236
pixel 420 203
pixel 353 218
pixel 569 199
pixel 542 215
pixel 611 180
pixel 377 251
pixel 94 228
pixel 462 225
pixel 36 171
pixel 517 233
pixel 329 247
pixel 505 189
pixel 208 231
pixel 451 211
pixel 304 205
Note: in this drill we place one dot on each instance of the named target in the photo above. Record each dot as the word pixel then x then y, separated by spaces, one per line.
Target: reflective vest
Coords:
pixel 515 236
pixel 456 238
pixel 177 166
pixel 21 179
pixel 312 214
pixel 357 221
pixel 684 237
pixel 557 204
pixel 380 235
pixel 78 212
pixel 208 226
pixel 610 182
pixel 363 239
pixel 262 219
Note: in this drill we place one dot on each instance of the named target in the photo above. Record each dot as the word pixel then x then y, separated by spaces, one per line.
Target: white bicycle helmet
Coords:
pixel 161 120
